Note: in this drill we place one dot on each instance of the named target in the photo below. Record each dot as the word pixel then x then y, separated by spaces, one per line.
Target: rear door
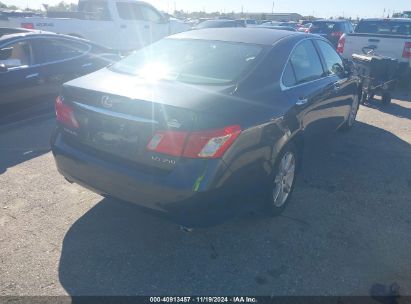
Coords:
pixel 140 24
pixel 134 31
pixel 159 26
pixel 60 60
pixel 306 83
pixel 21 80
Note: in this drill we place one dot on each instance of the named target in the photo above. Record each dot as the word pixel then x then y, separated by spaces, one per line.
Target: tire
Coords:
pixel 281 186
pixel 364 97
pixel 386 98
pixel 352 116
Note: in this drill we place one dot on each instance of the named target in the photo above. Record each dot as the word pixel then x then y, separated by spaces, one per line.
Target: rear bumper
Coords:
pixel 195 193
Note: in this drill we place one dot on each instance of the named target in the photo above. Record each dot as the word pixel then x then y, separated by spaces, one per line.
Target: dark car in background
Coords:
pixel 34 64
pixel 220 23
pixel 331 29
pixel 209 133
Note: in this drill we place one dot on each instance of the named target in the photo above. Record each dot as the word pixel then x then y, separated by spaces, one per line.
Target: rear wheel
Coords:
pixel 282 182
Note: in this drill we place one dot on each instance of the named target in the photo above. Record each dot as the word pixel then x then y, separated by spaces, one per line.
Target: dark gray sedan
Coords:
pixel 205 124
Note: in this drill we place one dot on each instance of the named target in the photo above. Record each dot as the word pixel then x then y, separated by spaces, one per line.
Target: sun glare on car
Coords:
pixel 154 71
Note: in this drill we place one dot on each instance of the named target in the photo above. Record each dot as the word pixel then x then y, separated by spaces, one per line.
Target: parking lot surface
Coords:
pixel 347 230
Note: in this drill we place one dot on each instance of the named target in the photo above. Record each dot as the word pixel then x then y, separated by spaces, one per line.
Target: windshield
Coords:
pixel 197 62
pixel 384 27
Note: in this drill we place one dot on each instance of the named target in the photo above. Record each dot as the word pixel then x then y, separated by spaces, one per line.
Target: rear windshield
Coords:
pixel 388 27
pixel 325 27
pixel 191 61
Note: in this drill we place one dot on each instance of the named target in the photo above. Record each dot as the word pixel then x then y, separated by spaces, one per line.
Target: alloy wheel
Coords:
pixel 284 179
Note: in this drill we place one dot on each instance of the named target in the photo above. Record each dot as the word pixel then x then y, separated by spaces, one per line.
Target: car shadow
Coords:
pixel 24 142
pixel 332 239
pixel 394 108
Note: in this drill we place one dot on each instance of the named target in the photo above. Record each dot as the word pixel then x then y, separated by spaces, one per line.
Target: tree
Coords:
pixel 62 7
pixel 10 7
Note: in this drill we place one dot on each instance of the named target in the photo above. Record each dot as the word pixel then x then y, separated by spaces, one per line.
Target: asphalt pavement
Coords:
pixel 347 230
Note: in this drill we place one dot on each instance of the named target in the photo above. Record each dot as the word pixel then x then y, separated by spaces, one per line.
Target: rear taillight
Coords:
pixel 65 114
pixel 407 50
pixel 204 144
pixel 341 45
pixel 29 26
pixel 337 34
pixel 168 142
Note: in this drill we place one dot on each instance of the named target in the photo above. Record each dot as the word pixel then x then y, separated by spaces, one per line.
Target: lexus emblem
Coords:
pixel 106 102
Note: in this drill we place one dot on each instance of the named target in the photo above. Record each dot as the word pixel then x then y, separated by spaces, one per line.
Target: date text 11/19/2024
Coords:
pixel 203 300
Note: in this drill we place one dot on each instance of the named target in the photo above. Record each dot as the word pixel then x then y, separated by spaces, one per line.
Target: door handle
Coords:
pixel 301 101
pixel 32 76
pixel 87 64
pixel 146 26
pixel 337 86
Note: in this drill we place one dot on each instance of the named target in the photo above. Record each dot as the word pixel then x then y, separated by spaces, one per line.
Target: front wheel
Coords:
pixel 283 181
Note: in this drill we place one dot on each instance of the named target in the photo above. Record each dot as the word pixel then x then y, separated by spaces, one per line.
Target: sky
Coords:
pixel 319 8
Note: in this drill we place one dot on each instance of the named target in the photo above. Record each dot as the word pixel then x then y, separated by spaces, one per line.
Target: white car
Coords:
pixel 383 37
pixel 122 25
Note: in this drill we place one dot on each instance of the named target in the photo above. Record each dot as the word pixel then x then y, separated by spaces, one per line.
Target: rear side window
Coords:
pixel 149 14
pixel 16 55
pixel 306 62
pixel 331 58
pixel 52 50
pixel 289 76
pixel 95 9
pixel 387 27
pixel 129 11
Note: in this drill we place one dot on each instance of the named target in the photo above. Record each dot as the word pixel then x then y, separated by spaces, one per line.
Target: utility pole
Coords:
pixel 272 9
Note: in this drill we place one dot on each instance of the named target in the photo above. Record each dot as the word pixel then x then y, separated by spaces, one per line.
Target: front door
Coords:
pixel 308 87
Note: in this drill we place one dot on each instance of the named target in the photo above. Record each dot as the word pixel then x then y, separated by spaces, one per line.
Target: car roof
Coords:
pixel 330 20
pixel 33 33
pixel 250 35
pixel 388 19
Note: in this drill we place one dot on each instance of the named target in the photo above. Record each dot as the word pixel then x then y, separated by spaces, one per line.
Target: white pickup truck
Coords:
pixel 384 37
pixel 122 25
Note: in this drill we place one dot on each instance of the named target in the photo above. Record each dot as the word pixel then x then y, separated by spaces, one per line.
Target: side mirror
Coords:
pixel 339 70
pixel 3 68
pixel 349 66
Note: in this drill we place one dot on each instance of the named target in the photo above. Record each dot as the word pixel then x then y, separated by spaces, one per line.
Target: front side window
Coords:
pixel 16 55
pixel 306 62
pixel 332 60
pixel 198 61
pixel 52 50
pixel 129 11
